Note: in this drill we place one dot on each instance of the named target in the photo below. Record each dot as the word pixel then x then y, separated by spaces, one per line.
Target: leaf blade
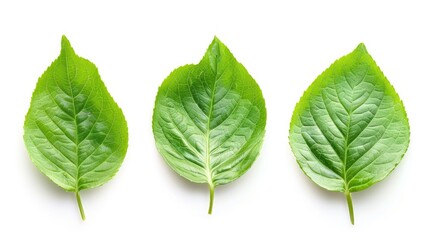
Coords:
pixel 65 129
pixel 343 124
pixel 206 127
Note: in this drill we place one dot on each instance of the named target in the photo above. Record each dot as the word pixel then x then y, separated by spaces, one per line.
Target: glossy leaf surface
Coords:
pixel 350 129
pixel 209 119
pixel 74 131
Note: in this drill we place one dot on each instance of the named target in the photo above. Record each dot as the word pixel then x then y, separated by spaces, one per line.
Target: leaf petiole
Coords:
pixel 350 204
pixel 79 202
pixel 211 198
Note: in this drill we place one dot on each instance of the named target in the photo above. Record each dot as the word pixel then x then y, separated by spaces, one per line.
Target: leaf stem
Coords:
pixel 350 204
pixel 79 202
pixel 211 198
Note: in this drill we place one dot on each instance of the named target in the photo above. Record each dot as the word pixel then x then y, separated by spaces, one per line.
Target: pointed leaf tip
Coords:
pixel 66 46
pixel 215 43
pixel 64 41
pixel 213 53
pixel 361 48
pixel 216 39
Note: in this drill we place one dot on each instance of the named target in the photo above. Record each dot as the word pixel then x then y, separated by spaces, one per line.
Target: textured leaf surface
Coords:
pixel 74 131
pixel 350 129
pixel 209 119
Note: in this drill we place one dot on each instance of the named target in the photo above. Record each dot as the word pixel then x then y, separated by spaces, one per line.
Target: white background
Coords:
pixel 285 45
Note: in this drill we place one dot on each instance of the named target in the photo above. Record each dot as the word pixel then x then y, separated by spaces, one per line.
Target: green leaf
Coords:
pixel 74 131
pixel 350 129
pixel 209 119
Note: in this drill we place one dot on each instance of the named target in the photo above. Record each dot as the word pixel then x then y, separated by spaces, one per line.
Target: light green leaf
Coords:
pixel 350 129
pixel 209 119
pixel 74 131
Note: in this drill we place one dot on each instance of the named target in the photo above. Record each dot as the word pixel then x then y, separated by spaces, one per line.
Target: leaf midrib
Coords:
pixel 346 149
pixel 349 116
pixel 76 142
pixel 209 116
